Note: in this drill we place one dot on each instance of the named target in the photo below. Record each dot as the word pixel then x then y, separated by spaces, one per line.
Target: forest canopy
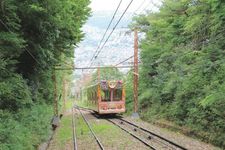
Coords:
pixel 35 36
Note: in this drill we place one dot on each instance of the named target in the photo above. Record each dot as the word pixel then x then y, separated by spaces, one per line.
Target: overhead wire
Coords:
pixel 121 37
pixel 98 52
pixel 114 14
pixel 138 8
pixel 119 21
pixel 114 28
pixel 124 61
pixel 145 8
pixel 214 40
pixel 150 2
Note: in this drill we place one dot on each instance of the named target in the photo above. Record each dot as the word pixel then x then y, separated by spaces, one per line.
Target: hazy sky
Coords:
pixel 110 5
pixel 119 45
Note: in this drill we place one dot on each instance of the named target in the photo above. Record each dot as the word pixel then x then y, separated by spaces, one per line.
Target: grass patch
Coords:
pixel 82 103
pixel 69 104
pixel 81 127
pixel 86 104
pixel 110 135
pixel 107 133
pixel 100 128
pixel 64 133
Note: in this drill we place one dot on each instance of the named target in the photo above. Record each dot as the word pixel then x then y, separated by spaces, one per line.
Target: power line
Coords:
pixel 114 28
pixel 66 63
pixel 146 7
pixel 120 37
pixel 124 60
pixel 96 67
pixel 138 8
pixel 132 15
pixel 106 30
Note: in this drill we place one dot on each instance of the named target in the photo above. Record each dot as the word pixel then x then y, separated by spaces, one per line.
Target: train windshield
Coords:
pixel 111 91
pixel 105 95
pixel 117 94
pixel 111 95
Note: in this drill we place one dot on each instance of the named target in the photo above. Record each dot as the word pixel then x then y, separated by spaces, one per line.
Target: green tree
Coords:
pixel 107 74
pixel 182 74
pixel 35 36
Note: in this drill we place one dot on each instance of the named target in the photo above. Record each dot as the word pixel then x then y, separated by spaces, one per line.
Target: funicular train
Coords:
pixel 107 97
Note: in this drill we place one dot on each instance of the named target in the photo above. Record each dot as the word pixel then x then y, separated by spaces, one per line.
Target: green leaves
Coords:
pixel 107 74
pixel 14 93
pixel 26 129
pixel 182 75
pixel 34 37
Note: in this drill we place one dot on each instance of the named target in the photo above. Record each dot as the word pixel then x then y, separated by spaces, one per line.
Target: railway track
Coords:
pixel 101 147
pixel 74 131
pixel 147 137
pixel 154 135
pixel 150 139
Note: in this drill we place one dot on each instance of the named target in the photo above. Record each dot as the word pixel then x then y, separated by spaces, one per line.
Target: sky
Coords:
pixel 110 5
pixel 120 44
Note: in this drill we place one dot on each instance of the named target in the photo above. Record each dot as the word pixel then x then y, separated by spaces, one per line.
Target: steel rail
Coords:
pixel 135 136
pixel 150 137
pixel 140 139
pixel 74 133
pixel 150 132
pixel 85 109
pixel 96 138
pixel 141 128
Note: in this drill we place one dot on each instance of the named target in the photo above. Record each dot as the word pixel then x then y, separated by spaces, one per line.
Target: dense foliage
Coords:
pixel 35 35
pixel 183 70
pixel 106 74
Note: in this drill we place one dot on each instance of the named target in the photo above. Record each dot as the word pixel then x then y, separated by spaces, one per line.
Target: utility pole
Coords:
pixel 135 80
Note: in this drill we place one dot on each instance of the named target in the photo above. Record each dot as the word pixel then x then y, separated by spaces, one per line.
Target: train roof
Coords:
pixel 114 84
pixel 106 84
pixel 120 81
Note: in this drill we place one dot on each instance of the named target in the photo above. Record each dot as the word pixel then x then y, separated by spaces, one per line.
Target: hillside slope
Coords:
pixel 183 70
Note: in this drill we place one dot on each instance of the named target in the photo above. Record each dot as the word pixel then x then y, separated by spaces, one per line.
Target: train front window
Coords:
pixel 117 95
pixel 105 95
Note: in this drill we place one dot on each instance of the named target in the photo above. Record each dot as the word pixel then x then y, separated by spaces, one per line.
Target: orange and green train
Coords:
pixel 107 97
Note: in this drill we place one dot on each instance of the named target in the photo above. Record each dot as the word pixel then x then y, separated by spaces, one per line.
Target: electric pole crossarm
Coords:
pixel 83 68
